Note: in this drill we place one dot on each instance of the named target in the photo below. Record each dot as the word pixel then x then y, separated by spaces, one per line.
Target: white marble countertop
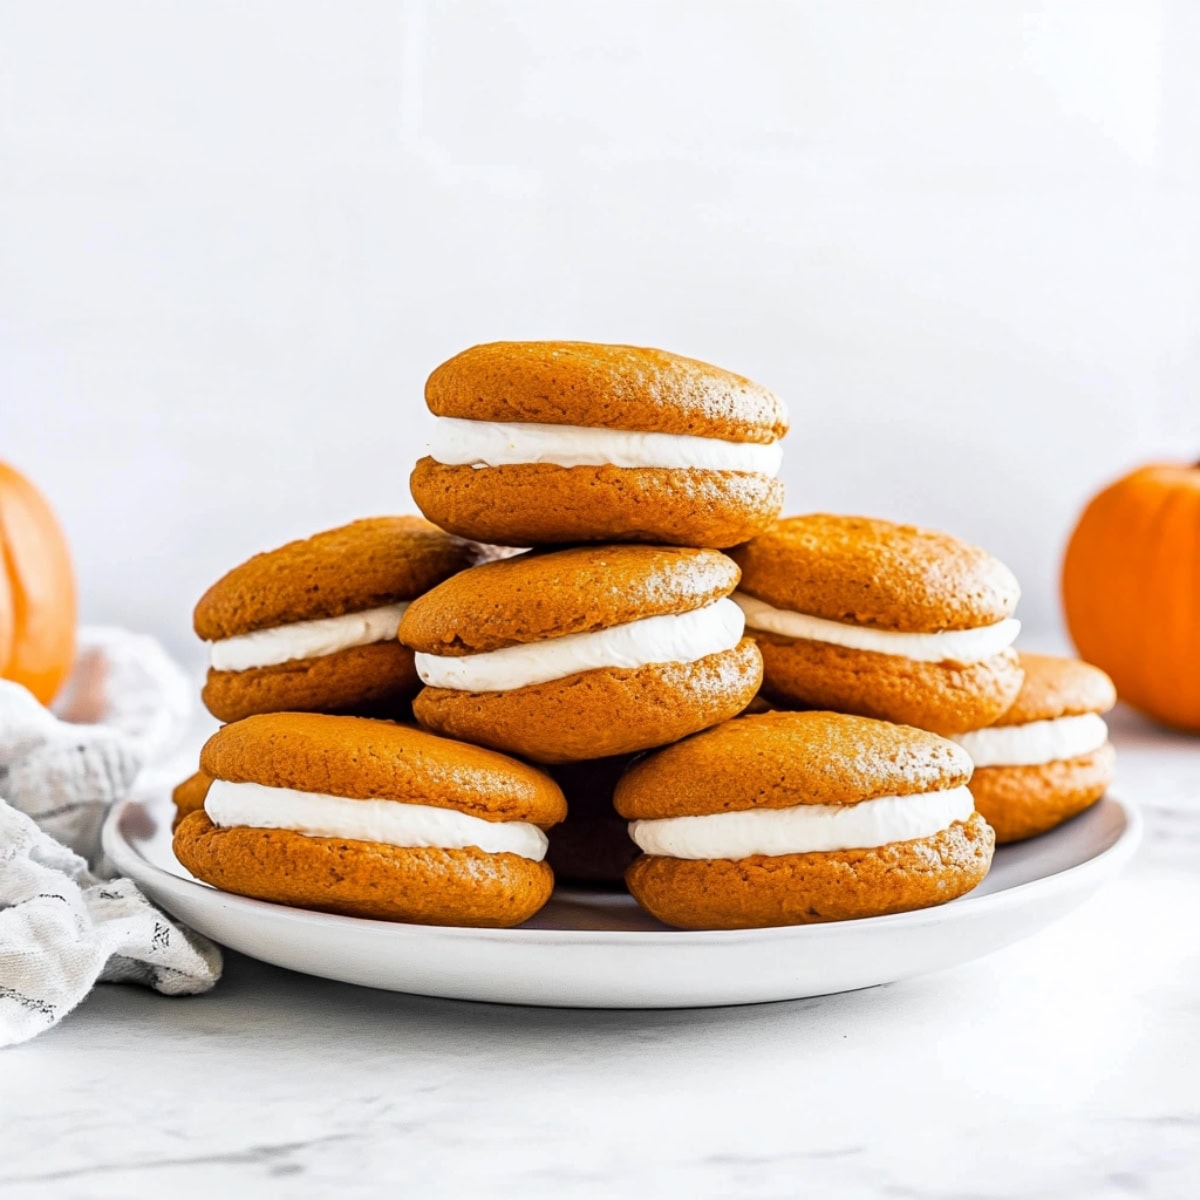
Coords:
pixel 1065 1066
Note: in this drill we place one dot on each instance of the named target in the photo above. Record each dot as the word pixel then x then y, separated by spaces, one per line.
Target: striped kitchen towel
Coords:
pixel 63 925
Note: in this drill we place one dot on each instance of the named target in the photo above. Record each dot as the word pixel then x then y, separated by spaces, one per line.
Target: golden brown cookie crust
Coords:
pixel 365 879
pixel 188 796
pixel 783 759
pixel 864 571
pixel 611 387
pixel 536 596
pixel 366 564
pixel 364 759
pixel 538 504
pixel 1022 802
pixel 356 680
pixel 1059 687
pixel 802 889
pixel 940 697
pixel 596 714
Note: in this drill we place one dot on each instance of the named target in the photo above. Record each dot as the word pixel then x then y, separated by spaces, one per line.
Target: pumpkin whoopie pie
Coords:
pixel 371 819
pixel 788 818
pixel 1049 757
pixel 311 626
pixel 188 796
pixel 582 653
pixel 554 442
pixel 881 620
pixel 592 845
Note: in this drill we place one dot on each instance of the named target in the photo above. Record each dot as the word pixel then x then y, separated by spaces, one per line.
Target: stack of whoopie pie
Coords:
pixel 748 719
pixel 628 471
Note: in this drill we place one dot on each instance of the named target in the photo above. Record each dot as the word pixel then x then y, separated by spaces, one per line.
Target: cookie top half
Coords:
pixel 876 573
pixel 784 759
pixel 366 564
pixel 541 595
pixel 364 759
pixel 611 387
pixel 1059 687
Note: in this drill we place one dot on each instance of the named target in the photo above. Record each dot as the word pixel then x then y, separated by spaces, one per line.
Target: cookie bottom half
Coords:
pixel 1021 802
pixel 539 503
pixel 362 679
pixel 802 889
pixel 599 713
pixel 365 879
pixel 941 697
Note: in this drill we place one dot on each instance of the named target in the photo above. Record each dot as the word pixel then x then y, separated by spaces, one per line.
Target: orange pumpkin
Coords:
pixel 1131 590
pixel 37 590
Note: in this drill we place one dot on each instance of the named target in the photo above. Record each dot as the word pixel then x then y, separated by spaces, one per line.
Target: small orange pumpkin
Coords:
pixel 1131 590
pixel 37 590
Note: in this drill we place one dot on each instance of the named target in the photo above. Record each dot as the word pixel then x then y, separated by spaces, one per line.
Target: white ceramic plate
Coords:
pixel 596 950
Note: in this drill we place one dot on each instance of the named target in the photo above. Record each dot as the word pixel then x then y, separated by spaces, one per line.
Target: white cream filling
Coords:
pixel 1035 742
pixel 461 443
pixel 683 638
pixel 805 828
pixel 963 646
pixel 306 639
pixel 393 822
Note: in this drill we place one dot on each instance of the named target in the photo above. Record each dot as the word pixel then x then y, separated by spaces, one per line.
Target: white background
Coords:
pixel 962 241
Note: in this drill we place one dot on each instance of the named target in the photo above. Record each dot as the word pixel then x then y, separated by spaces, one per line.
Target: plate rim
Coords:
pixel 1111 859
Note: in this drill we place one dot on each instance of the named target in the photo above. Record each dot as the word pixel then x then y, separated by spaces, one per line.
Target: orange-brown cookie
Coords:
pixel 583 653
pixel 372 819
pixel 540 595
pixel 781 759
pixel 795 817
pixel 1022 802
pixel 592 845
pixel 1058 687
pixel 942 697
pixel 881 620
pixel 603 711
pixel 1048 757
pixel 188 796
pixel 542 504
pixel 311 626
pixel 553 442
pixel 805 889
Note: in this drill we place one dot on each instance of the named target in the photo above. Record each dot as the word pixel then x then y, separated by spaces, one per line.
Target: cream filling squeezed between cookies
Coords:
pixel 392 822
pixel 1036 742
pixel 962 646
pixel 674 638
pixel 805 828
pixel 462 443
pixel 306 639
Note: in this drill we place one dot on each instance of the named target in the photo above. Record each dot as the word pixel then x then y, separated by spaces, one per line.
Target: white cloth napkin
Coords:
pixel 63 926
